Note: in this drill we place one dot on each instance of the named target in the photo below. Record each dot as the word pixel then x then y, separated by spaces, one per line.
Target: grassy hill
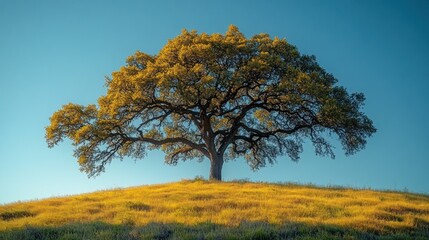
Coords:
pixel 221 210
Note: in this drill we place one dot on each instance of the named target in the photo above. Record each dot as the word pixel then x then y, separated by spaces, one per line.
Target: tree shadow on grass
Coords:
pixel 173 231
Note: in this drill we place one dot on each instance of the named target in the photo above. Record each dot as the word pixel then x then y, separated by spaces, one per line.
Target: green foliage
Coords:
pixel 218 97
pixel 245 231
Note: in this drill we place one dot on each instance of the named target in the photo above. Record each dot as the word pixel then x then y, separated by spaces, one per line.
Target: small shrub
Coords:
pixel 241 180
pixel 199 178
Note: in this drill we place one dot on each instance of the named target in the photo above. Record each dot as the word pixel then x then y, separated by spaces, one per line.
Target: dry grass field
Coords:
pixel 190 204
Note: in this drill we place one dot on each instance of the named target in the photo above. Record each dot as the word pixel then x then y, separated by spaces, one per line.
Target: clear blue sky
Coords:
pixel 56 52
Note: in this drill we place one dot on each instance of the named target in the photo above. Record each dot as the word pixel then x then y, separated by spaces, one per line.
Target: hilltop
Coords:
pixel 221 210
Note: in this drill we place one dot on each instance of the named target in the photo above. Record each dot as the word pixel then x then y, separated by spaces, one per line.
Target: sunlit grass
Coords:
pixel 228 203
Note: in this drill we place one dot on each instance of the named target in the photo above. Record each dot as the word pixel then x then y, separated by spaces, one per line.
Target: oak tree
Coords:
pixel 218 97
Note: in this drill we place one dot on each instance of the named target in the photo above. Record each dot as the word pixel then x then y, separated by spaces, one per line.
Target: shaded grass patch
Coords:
pixel 385 216
pixel 8 216
pixel 138 206
pixel 398 209
pixel 175 231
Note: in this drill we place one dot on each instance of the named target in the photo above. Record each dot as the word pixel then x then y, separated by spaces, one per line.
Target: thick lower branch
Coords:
pixel 160 142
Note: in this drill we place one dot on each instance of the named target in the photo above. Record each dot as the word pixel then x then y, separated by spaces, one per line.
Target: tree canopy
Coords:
pixel 218 97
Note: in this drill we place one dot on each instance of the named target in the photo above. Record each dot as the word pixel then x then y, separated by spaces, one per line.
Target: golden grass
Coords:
pixel 228 203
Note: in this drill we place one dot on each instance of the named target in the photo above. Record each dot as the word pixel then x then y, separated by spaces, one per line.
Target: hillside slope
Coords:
pixel 228 204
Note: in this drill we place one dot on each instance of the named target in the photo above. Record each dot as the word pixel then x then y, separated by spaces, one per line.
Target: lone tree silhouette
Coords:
pixel 218 97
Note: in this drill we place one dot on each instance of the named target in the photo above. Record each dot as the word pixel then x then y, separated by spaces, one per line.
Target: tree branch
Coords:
pixel 160 142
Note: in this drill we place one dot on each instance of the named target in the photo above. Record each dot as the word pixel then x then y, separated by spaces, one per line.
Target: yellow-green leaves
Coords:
pixel 234 37
pixel 83 133
pixel 71 121
pixel 264 118
pixel 215 95
pixel 140 60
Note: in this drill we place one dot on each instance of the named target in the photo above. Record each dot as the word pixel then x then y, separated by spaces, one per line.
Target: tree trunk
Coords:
pixel 216 163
